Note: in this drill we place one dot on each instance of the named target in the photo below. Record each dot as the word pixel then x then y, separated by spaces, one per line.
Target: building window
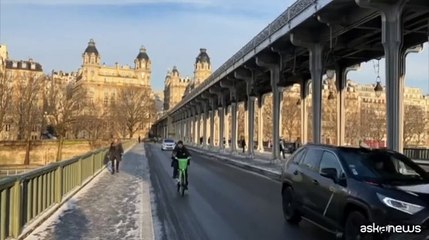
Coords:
pixel 106 100
pixel 33 66
pixel 7 127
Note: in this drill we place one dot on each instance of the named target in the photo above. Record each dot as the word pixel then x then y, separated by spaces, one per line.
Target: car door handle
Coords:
pixel 315 182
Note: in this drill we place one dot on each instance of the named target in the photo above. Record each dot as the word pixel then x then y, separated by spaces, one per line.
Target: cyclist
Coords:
pixel 180 151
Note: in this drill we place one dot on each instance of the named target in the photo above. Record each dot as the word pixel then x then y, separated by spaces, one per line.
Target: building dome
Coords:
pixel 91 47
pixel 203 56
pixel 175 71
pixel 142 54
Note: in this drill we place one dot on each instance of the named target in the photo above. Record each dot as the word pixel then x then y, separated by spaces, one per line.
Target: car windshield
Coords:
pixel 384 166
pixel 168 141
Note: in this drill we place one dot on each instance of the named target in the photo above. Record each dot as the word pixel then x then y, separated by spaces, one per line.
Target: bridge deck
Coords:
pixel 111 207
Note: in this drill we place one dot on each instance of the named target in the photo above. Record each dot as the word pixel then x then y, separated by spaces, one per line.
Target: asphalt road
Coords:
pixel 223 202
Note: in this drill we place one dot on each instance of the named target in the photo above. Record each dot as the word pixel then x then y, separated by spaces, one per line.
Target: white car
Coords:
pixel 167 144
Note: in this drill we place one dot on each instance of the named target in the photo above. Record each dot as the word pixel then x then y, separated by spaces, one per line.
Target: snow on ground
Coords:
pixel 109 207
pixel 40 231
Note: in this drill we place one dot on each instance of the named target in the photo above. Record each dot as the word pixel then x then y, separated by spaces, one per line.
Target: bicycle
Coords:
pixel 183 165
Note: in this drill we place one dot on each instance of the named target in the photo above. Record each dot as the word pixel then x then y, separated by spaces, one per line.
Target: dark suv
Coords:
pixel 344 190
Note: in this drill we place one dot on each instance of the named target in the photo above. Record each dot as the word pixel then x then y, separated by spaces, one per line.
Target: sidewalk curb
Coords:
pixel 220 156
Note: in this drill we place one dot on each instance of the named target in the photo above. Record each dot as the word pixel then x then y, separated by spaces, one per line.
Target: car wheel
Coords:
pixel 352 229
pixel 290 213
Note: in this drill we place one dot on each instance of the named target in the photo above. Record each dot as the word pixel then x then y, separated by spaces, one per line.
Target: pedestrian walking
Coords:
pixel 115 153
pixel 282 148
pixel 139 139
pixel 243 144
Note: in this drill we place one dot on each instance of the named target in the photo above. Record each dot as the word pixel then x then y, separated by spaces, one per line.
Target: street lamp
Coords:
pixel 330 74
pixel 378 89
pixel 252 95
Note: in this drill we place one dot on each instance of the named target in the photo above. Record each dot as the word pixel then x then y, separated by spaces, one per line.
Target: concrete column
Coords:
pixel 212 136
pixel 191 131
pixel 260 123
pixel 341 82
pixel 198 127
pixel 226 127
pixel 234 127
pixel 183 128
pixel 392 43
pixel 316 54
pixel 276 116
pixel 205 112
pixel 195 128
pixel 273 64
pixel 341 78
pixel 304 114
pixel 251 123
pixel 246 123
pixel 221 127
pixel 392 40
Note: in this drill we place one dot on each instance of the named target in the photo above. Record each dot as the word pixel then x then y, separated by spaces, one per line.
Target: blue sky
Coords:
pixel 56 32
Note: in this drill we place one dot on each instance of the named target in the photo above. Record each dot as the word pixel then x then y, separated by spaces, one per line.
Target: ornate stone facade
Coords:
pixel 102 82
pixel 21 80
pixel 175 87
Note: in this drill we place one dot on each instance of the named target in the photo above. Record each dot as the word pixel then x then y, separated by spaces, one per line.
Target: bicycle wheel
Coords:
pixel 178 184
pixel 182 184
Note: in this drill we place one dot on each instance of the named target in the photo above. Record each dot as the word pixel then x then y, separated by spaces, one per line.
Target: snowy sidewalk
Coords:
pixel 110 207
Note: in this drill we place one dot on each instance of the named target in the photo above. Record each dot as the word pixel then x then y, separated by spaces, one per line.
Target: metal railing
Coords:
pixel 23 198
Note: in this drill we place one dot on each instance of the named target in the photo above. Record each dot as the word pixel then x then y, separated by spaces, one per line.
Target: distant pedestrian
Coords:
pixel 297 144
pixel 282 148
pixel 243 144
pixel 139 139
pixel 115 153
pixel 201 140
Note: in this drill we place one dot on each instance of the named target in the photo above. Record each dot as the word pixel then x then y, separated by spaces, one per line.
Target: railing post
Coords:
pixel 79 172
pixel 93 159
pixel 59 184
pixel 17 209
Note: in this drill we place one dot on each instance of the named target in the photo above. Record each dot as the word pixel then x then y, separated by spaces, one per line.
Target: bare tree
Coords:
pixel 374 120
pixel 329 120
pixel 132 109
pixel 414 124
pixel 65 103
pixel 290 116
pixel 5 98
pixel 353 121
pixel 27 104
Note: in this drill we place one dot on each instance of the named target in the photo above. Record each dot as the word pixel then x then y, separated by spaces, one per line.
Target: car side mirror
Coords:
pixel 329 173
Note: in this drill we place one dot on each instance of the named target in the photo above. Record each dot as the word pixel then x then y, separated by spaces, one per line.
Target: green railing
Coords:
pixel 24 197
